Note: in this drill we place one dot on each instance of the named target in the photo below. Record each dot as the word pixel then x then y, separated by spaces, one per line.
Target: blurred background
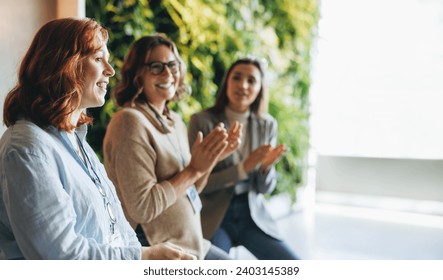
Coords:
pixel 354 84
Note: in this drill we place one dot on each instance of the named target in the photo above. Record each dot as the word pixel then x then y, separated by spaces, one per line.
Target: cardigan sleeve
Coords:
pixel 130 160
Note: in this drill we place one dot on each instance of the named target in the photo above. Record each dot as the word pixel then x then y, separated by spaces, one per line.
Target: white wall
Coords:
pixel 416 179
pixel 377 85
pixel 377 94
pixel 19 21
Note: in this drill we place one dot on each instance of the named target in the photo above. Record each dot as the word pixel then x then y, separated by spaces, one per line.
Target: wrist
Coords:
pixel 193 173
pixel 264 168
pixel 145 254
pixel 247 167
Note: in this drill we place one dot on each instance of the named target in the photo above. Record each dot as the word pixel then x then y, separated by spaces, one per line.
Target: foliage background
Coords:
pixel 210 35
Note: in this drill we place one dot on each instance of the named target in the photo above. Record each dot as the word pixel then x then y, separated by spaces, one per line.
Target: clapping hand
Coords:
pixel 263 157
pixel 205 152
pixel 273 156
pixel 234 136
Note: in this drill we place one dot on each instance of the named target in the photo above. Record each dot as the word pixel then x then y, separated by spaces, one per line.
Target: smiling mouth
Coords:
pixel 165 86
pixel 102 85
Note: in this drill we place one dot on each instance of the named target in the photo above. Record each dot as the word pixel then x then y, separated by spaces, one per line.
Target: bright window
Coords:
pixel 378 79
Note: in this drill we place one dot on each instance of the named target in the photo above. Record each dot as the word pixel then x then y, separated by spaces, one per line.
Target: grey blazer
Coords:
pixel 219 190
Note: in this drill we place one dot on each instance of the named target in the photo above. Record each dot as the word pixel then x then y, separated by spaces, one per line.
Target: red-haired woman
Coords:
pixel 56 201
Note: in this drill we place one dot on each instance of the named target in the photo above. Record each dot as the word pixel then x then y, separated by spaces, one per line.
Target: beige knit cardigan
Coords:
pixel 141 153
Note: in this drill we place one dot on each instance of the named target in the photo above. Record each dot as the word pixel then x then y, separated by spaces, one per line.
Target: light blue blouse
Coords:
pixel 50 208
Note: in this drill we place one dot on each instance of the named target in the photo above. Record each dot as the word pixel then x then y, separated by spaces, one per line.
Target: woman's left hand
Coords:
pixel 273 156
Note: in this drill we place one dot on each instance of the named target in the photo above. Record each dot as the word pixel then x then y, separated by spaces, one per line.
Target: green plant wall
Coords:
pixel 210 35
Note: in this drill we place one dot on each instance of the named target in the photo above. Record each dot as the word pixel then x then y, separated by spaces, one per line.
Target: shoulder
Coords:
pixel 203 121
pixel 127 120
pixel 204 114
pixel 131 125
pixel 266 123
pixel 27 134
pixel 205 117
pixel 127 114
pixel 265 119
pixel 26 138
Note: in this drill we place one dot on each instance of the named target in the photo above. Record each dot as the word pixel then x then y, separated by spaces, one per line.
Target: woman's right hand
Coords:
pixel 165 251
pixel 205 152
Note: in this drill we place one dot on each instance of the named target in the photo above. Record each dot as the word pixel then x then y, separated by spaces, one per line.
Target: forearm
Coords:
pixel 165 251
pixel 201 183
pixel 143 196
pixel 184 179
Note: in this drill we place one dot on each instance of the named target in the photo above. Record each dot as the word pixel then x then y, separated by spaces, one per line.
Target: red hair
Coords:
pixel 50 79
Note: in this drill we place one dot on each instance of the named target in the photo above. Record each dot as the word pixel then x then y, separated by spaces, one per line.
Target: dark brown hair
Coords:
pixel 260 104
pixel 130 86
pixel 50 79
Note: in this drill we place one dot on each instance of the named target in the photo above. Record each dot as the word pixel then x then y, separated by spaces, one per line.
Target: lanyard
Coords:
pixel 96 180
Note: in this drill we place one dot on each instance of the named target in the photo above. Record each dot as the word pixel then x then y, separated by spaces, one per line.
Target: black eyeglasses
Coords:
pixel 157 67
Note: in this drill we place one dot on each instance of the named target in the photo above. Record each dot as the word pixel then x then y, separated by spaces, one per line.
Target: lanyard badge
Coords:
pixel 194 198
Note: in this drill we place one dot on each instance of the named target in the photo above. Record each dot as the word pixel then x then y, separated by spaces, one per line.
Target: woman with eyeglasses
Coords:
pixel 146 152
pixel 234 208
pixel 56 201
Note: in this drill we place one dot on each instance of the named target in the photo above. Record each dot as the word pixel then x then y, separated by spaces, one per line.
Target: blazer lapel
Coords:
pixel 254 132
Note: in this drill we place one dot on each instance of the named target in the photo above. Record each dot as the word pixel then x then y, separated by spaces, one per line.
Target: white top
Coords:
pixel 243 150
